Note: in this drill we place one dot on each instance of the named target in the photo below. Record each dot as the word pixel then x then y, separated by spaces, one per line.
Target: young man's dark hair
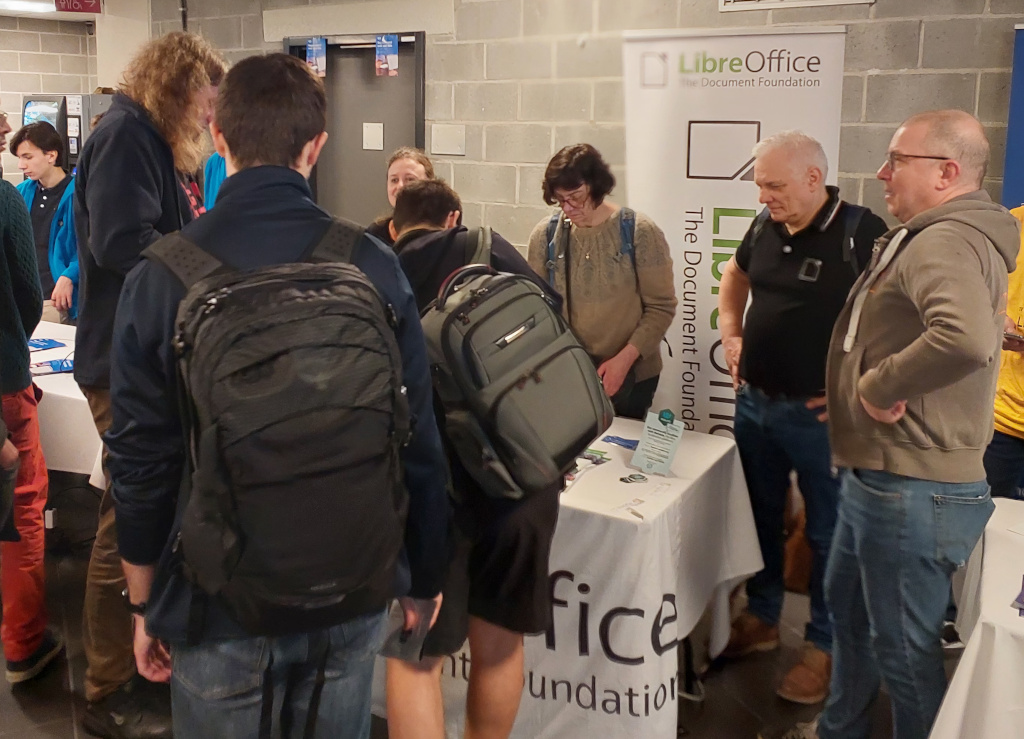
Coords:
pixel 574 166
pixel 265 217
pixel 425 202
pixel 251 104
pixel 42 135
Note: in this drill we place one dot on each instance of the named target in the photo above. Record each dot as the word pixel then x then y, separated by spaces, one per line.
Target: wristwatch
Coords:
pixel 133 608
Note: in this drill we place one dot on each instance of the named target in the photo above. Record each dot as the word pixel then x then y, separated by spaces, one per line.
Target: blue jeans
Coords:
pixel 262 686
pixel 898 540
pixel 774 437
pixel 1004 466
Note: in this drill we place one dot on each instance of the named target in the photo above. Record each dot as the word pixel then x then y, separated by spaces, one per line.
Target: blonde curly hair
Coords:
pixel 165 77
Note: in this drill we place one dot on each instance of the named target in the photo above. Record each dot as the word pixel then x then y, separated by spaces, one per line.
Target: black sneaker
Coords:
pixel 18 671
pixel 128 714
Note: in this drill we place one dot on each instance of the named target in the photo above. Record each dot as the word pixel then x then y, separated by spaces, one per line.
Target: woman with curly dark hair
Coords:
pixel 135 183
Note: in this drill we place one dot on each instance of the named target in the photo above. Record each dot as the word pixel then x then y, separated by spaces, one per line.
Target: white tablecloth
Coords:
pixel 70 441
pixel 638 564
pixel 985 699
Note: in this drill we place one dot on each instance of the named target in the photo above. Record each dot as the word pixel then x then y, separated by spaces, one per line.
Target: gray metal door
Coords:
pixel 350 181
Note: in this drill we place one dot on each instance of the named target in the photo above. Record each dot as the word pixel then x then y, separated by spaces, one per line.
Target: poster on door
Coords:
pixel 387 55
pixel 316 55
pixel 696 103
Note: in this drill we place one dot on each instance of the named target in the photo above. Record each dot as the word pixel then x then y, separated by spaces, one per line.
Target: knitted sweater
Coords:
pixel 611 304
pixel 21 297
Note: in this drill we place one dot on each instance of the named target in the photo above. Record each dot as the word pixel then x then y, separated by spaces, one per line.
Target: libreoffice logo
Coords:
pixel 755 62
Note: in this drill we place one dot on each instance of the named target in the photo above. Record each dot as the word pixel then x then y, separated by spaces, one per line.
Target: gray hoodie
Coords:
pixel 924 324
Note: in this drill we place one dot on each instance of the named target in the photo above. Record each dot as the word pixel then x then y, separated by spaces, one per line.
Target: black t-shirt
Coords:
pixel 798 283
pixel 44 206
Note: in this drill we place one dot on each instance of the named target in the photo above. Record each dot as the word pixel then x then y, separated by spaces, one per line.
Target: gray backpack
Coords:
pixel 521 397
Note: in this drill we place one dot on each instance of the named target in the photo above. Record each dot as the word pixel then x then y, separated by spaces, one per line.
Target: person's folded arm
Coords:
pixel 124 199
pixel 145 439
pixel 942 274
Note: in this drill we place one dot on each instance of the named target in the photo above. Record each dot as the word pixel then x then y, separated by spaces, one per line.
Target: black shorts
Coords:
pixel 498 569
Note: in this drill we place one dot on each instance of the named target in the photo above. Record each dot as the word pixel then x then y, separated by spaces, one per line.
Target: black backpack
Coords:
pixel 292 392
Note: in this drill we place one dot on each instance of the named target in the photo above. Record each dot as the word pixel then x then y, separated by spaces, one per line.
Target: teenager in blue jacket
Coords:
pixel 49 194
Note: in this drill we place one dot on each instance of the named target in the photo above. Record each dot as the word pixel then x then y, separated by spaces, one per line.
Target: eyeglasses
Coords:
pixel 894 156
pixel 577 198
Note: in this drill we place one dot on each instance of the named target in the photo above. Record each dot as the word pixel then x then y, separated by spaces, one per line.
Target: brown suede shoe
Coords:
pixel 750 634
pixel 807 682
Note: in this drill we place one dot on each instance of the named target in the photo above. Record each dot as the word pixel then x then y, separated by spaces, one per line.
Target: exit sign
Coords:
pixel 79 6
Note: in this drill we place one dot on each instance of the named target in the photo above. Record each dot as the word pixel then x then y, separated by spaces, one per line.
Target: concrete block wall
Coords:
pixel 41 56
pixel 526 77
pixel 233 26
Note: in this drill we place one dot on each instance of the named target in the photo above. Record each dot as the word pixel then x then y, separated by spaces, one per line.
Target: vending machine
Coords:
pixel 71 115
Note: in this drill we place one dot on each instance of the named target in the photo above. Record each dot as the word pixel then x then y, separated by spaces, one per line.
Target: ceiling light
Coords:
pixel 28 6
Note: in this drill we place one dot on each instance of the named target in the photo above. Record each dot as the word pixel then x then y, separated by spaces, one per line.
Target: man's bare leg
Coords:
pixel 415 706
pixel 495 680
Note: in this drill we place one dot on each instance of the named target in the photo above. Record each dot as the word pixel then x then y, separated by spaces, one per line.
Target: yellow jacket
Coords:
pixel 1009 403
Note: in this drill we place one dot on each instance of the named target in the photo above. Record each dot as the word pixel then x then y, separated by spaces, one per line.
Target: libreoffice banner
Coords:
pixel 696 103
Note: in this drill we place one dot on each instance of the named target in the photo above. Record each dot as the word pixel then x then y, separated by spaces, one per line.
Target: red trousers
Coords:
pixel 22 580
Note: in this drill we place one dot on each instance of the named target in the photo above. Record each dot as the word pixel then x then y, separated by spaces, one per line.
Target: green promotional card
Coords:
pixel 658 444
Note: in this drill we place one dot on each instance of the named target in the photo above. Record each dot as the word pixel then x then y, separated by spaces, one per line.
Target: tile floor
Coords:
pixel 740 697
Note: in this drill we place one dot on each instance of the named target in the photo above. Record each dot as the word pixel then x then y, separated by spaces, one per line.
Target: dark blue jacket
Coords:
pixel 264 216
pixel 127 195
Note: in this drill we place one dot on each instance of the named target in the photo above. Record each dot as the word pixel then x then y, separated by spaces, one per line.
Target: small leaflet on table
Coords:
pixel 658 444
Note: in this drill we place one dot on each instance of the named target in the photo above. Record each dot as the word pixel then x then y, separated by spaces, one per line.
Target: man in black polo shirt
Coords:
pixel 798 261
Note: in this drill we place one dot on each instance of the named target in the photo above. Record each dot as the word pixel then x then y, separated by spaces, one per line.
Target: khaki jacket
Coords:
pixel 924 324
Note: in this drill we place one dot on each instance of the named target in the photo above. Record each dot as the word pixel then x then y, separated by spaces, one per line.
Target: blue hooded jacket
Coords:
pixel 63 249
pixel 214 174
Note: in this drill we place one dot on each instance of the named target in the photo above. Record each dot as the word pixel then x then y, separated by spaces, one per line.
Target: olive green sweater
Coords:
pixel 611 304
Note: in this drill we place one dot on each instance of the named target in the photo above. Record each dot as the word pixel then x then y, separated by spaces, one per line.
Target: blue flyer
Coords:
pixel 38 345
pixel 387 55
pixel 658 444
pixel 316 55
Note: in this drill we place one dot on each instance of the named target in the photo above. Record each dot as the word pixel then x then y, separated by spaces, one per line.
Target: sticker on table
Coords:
pixel 632 508
pixel 658 444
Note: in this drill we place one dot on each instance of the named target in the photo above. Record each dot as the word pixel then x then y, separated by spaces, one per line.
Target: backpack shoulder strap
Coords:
pixel 482 252
pixel 552 249
pixel 852 215
pixel 627 232
pixel 467 242
pixel 757 227
pixel 338 242
pixel 183 258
